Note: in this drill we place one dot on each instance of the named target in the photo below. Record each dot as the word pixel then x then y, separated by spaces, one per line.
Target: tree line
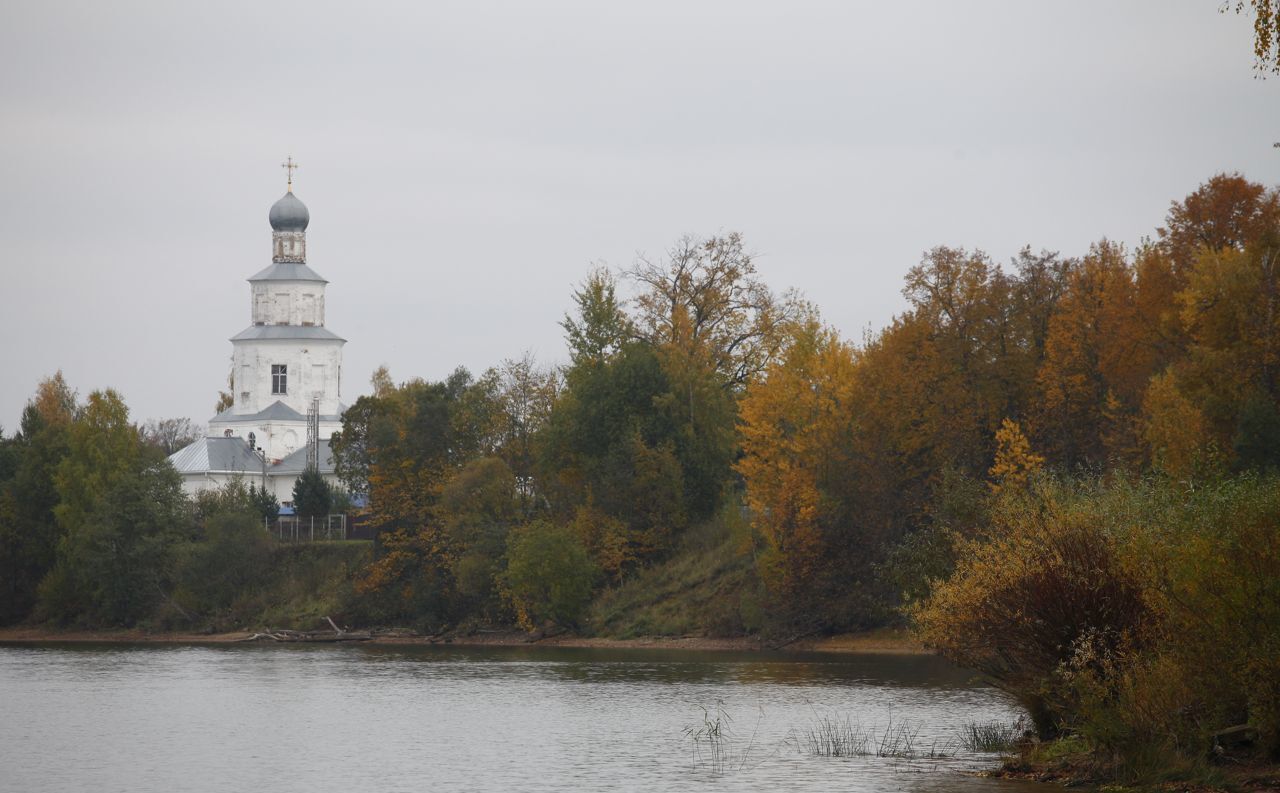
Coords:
pixel 95 529
pixel 696 395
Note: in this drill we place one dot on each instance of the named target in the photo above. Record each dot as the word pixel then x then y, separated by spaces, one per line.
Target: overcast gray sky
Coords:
pixel 466 163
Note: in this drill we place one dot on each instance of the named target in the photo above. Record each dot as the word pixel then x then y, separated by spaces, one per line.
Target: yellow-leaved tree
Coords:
pixel 796 424
pixel 1015 462
pixel 1174 429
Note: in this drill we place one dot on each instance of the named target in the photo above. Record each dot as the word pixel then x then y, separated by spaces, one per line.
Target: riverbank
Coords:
pixel 1251 776
pixel 895 641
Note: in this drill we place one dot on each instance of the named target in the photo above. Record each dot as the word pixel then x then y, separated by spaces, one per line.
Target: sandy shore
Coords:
pixel 884 641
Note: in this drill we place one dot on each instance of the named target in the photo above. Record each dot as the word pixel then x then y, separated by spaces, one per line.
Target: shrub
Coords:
pixel 1142 616
pixel 1020 604
pixel 1221 598
pixel 549 575
pixel 233 561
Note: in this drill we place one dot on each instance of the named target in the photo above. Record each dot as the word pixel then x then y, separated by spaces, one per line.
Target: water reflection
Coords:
pixel 319 718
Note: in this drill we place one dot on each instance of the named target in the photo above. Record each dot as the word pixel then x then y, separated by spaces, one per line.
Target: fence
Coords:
pixel 293 528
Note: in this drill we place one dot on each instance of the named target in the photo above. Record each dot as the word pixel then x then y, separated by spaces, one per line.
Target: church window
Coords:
pixel 279 378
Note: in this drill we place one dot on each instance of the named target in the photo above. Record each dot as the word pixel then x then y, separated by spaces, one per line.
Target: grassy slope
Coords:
pixel 707 588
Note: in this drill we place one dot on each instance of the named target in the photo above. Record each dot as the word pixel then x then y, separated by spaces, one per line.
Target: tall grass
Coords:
pixel 832 735
pixel 714 744
pixel 992 736
pixel 836 736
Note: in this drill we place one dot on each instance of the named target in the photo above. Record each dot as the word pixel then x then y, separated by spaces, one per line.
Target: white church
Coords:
pixel 286 376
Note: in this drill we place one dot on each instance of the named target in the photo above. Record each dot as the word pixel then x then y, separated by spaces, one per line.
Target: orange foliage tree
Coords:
pixel 796 426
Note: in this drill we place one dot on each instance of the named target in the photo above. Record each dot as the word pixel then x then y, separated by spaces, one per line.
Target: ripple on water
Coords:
pixel 389 719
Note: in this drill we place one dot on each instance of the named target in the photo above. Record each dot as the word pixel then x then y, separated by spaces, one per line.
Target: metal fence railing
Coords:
pixel 295 528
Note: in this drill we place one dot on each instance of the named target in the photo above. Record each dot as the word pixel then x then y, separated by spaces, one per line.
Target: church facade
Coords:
pixel 286 376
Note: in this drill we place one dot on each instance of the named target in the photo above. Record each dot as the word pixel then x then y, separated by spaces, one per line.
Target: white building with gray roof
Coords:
pixel 286 374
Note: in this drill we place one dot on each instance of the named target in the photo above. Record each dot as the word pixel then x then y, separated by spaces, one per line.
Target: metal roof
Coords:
pixel 233 455
pixel 287 271
pixel 296 463
pixel 287 332
pixel 221 455
pixel 276 411
pixel 289 213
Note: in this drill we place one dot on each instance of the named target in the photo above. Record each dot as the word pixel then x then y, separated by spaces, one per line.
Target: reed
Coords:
pixel 899 739
pixel 836 736
pixel 992 736
pixel 714 744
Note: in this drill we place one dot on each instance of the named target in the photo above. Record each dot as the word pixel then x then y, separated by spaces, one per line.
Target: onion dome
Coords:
pixel 289 214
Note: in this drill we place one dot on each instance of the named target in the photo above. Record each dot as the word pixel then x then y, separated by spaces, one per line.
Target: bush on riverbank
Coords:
pixel 228 587
pixel 1142 616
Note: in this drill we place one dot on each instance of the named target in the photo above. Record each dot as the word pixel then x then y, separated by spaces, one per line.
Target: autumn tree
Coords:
pixel 1015 461
pixel 797 425
pixel 1228 211
pixel 1231 309
pixel 170 435
pixel 1174 429
pixel 706 296
pixel 403 448
pixel 400 448
pixel 1266 32
pixel 1095 347
pixel 526 395
pixel 962 314
pixel 381 383
pixel 226 399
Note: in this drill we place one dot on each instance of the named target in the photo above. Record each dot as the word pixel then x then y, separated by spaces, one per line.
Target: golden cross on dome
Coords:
pixel 290 166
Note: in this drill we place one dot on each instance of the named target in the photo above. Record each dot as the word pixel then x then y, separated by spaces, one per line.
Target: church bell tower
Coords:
pixel 287 364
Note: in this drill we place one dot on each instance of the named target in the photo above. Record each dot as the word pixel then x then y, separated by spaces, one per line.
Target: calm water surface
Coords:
pixel 380 718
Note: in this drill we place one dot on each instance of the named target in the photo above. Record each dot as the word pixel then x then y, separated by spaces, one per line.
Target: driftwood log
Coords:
pixel 335 635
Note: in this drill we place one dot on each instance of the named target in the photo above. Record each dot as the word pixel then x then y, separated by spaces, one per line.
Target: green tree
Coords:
pixel 312 495
pixel 232 561
pixel 29 531
pixel 610 429
pixel 264 502
pixel 478 507
pixel 121 510
pixel 601 326
pixel 1257 440
pixel 549 575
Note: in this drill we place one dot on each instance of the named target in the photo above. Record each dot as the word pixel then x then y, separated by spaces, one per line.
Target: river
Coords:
pixel 408 718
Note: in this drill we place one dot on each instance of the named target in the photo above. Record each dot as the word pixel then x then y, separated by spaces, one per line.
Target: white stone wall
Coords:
pixel 313 368
pixel 279 438
pixel 289 246
pixel 288 303
pixel 280 486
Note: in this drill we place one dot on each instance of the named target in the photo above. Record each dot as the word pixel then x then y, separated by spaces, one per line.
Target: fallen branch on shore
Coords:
pixel 335 635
